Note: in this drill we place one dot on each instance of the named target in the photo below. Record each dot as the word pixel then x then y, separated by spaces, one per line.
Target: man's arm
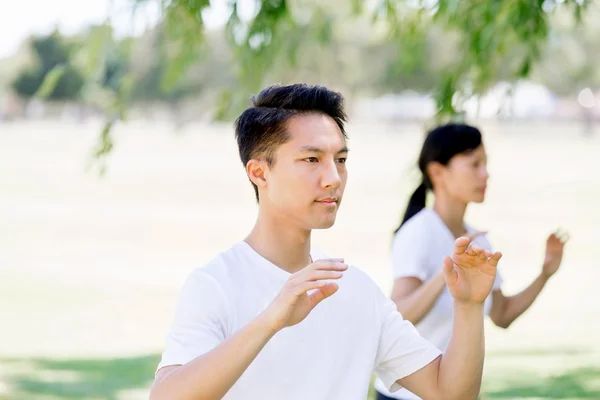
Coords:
pixel 211 375
pixel 456 374
pixel 469 275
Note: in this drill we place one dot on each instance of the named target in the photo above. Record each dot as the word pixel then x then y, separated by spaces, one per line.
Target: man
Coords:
pixel 272 318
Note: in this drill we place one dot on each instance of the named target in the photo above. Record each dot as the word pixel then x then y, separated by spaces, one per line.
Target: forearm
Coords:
pixel 417 304
pixel 519 303
pixel 461 367
pixel 210 376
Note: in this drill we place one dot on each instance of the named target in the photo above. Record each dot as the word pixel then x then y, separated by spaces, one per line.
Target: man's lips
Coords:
pixel 327 200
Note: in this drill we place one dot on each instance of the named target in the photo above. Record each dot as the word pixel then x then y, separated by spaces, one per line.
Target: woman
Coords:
pixel 453 163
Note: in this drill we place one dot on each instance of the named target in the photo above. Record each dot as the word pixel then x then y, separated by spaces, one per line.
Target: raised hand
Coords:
pixel 470 272
pixel 294 302
pixel 555 245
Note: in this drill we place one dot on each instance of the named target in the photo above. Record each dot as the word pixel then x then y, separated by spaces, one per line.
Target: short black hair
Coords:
pixel 261 128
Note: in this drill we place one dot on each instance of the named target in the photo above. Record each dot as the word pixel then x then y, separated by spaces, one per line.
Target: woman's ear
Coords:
pixel 435 172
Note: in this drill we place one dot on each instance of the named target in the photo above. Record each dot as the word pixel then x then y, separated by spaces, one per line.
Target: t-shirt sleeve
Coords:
pixel 402 350
pixel 410 253
pixel 199 322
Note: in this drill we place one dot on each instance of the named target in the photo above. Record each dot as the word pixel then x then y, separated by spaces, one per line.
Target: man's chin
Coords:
pixel 326 224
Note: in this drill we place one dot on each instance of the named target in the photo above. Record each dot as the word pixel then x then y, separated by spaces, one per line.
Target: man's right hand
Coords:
pixel 293 303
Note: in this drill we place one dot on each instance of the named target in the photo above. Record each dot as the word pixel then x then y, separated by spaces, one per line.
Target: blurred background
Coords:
pixel 119 172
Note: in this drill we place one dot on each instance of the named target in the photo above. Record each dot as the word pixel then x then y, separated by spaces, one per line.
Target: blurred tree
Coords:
pixel 149 82
pixel 265 37
pixel 570 59
pixel 116 68
pixel 283 40
pixel 569 63
pixel 52 64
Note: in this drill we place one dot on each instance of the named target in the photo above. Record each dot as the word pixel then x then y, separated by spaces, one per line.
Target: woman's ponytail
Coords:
pixel 416 203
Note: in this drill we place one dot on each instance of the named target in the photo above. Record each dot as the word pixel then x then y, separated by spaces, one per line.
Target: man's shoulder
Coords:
pixel 218 269
pixel 359 280
pixel 358 274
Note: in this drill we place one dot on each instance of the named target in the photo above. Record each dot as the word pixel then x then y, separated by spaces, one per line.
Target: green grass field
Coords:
pixel 90 267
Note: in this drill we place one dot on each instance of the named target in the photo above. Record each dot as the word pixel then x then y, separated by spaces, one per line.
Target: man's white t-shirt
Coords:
pixel 330 355
pixel 418 250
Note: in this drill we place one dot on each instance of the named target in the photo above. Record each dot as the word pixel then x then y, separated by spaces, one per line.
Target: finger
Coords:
pixel 321 275
pixel 562 235
pixel 304 287
pixel 335 264
pixel 473 250
pixel 557 236
pixel 483 256
pixel 461 244
pixel 449 272
pixel 322 293
pixel 495 258
pixel 306 275
pixel 487 254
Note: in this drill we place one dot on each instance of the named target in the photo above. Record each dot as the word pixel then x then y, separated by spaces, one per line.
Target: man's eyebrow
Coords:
pixel 313 149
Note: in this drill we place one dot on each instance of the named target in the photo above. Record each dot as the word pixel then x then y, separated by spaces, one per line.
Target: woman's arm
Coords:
pixel 505 310
pixel 415 298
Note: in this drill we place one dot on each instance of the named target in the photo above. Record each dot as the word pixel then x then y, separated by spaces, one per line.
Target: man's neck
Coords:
pixel 285 246
pixel 452 213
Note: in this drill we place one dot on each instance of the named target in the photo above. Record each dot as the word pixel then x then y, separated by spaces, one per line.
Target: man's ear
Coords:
pixel 257 172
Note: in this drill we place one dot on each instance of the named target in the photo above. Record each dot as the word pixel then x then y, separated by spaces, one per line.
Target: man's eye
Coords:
pixel 342 160
pixel 312 159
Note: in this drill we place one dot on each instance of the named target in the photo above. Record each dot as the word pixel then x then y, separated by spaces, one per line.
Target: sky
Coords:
pixel 23 18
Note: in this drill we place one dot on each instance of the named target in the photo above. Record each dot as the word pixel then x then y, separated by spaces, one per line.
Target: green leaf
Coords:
pixel 444 95
pixel 50 81
pixel 126 87
pixel 525 68
pixel 92 55
pixel 357 7
pixel 176 68
pixel 103 148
